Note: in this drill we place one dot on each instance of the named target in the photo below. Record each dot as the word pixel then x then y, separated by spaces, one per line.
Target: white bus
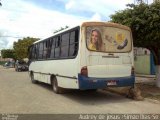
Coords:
pixel 93 55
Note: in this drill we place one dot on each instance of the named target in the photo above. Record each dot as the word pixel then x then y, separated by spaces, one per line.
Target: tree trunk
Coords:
pixel 158 76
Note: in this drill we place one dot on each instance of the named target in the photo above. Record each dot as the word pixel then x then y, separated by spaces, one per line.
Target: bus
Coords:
pixel 89 56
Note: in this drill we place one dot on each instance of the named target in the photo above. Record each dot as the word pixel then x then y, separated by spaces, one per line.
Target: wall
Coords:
pixel 142 64
pixel 143 61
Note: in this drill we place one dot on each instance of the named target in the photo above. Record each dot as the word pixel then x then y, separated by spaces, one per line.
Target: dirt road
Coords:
pixel 19 95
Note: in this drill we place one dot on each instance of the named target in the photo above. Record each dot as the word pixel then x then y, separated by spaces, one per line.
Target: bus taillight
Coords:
pixel 84 71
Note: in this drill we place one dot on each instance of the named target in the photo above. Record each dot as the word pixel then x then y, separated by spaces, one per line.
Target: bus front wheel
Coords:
pixel 56 88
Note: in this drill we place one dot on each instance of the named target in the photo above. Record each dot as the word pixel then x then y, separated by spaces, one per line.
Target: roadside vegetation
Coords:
pixel 20 49
pixel 144 21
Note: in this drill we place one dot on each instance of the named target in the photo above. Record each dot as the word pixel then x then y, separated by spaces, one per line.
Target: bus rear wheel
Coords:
pixel 32 78
pixel 56 88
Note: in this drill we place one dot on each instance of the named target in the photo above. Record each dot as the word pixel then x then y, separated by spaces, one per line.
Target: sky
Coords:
pixel 40 18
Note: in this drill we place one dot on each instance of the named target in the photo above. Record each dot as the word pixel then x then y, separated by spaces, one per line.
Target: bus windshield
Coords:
pixel 108 39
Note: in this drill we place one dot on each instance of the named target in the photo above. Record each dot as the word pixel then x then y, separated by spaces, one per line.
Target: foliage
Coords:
pixel 2 62
pixel 21 47
pixel 8 53
pixel 144 21
pixel 62 28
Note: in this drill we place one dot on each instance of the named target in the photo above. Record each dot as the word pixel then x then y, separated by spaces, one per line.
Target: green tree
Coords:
pixel 21 47
pixel 144 21
pixel 8 53
pixel 62 28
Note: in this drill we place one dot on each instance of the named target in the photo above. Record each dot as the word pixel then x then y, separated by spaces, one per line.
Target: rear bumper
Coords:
pixel 100 83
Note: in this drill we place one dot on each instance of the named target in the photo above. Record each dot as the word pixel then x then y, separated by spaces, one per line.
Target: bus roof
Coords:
pixel 90 23
pixel 107 24
pixel 56 34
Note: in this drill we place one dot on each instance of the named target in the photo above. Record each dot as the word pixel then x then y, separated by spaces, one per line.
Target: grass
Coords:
pixel 2 62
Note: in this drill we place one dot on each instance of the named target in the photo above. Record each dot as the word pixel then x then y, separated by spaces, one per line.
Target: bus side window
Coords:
pixel 40 50
pixel 45 49
pixel 57 47
pixel 48 48
pixel 52 42
pixel 36 51
pixel 65 45
pixel 33 52
pixel 73 47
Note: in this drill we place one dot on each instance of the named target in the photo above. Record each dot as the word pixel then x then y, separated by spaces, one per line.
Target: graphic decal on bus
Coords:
pixel 108 39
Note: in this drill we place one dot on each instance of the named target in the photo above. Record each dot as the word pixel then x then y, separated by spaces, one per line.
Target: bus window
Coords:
pixel 52 47
pixel 40 50
pixel 45 48
pixel 36 51
pixel 48 48
pixel 73 47
pixel 65 39
pixel 57 47
pixel 65 45
pixel 72 37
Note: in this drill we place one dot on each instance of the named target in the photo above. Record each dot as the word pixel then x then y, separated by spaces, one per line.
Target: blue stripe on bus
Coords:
pixel 100 83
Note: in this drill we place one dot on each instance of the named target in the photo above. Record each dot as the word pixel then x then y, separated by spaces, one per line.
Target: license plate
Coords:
pixel 111 83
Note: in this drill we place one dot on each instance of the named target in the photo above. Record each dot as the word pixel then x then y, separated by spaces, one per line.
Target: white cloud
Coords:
pixel 21 18
pixel 70 4
pixel 32 21
pixel 103 7
pixel 96 17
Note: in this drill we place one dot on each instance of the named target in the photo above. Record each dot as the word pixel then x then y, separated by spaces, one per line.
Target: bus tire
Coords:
pixel 32 78
pixel 56 88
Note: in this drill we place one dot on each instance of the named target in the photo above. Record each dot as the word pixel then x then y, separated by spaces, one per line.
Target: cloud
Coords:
pixel 23 18
pixel 96 17
pixel 101 7
pixel 70 4
pixel 4 42
pixel 31 21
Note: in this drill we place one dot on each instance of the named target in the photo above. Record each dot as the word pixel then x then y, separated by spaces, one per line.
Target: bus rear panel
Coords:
pixel 108 56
